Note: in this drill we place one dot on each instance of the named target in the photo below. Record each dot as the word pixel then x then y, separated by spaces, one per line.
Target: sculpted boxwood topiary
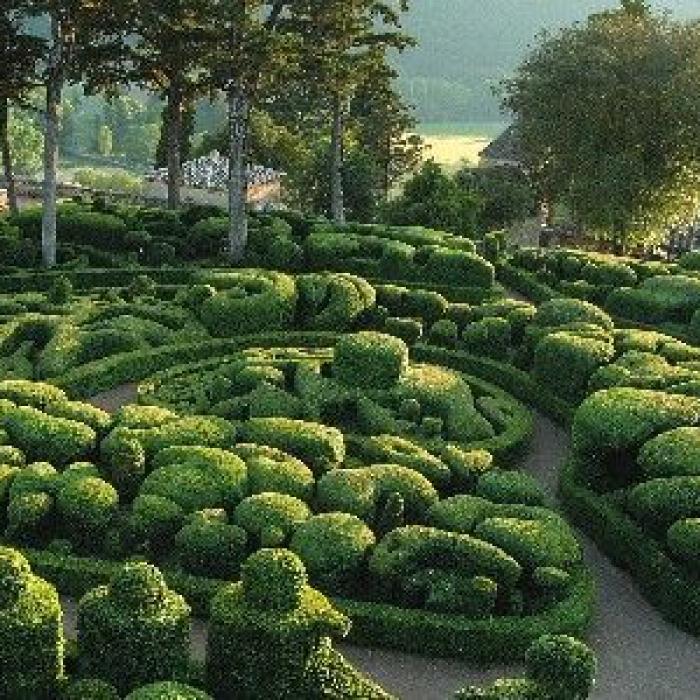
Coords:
pixel 370 360
pixel 266 631
pixel 134 630
pixel 674 453
pixel 31 632
pixel 86 507
pixel 333 547
pixel 271 517
pixel 167 690
pixel 658 503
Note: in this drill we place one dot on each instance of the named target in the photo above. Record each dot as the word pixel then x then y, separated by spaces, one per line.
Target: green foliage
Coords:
pixel 167 690
pixel 87 507
pixel 370 360
pixel 90 689
pixel 134 630
pixel 490 336
pixel 674 453
pixel 31 642
pixel 658 503
pixel 562 312
pixel 509 487
pixel 270 516
pixel 333 547
pixel 683 539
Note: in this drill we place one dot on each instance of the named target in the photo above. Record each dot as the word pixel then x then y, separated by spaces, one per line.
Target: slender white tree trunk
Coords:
pixel 6 152
pixel 337 194
pixel 174 138
pixel 54 86
pixel 239 117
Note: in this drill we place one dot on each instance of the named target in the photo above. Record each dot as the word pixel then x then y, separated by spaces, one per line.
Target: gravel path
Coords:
pixel 112 400
pixel 641 656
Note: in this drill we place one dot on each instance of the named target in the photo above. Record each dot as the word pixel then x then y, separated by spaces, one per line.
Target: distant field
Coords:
pixel 453 143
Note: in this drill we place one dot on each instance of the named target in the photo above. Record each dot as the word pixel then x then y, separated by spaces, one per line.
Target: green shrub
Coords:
pixel 562 666
pixel 271 620
pixel 532 543
pixel 31 632
pixel 210 547
pixel 561 312
pixel 457 267
pixel 197 478
pixel 270 469
pixel 683 539
pixel 611 426
pixel 34 394
pixel 87 507
pixel 207 237
pixel 460 513
pixel 124 461
pixel 370 360
pixel 466 466
pixel 37 477
pixel 491 336
pixel 135 416
pixel 409 330
pixel 250 303
pixel 426 305
pixel 29 516
pixel 361 491
pixel 444 333
pixel 155 521
pixel 406 551
pixel 565 362
pixel 167 690
pixel 271 516
pixel 60 291
pixel 134 630
pixel 398 450
pixel 319 446
pixel 44 437
pixel 510 487
pixel 674 453
pixel 658 503
pixel 333 547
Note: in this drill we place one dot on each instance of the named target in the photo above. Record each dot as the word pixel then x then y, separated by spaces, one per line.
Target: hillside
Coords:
pixel 465 50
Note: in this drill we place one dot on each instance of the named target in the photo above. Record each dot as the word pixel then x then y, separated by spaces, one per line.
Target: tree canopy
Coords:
pixel 609 116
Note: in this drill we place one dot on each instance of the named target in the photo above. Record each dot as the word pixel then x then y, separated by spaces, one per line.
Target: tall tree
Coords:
pixel 344 41
pixel 19 54
pixel 170 40
pixel 256 44
pixel 85 41
pixel 609 117
pixel 386 125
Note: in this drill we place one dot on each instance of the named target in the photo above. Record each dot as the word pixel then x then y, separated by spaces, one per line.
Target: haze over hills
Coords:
pixel 468 46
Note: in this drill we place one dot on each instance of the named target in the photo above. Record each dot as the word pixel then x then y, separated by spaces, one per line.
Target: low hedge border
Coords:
pixel 661 581
pixel 415 631
pixel 454 294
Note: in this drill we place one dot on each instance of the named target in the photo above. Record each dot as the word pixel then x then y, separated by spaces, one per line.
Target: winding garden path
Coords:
pixel 641 656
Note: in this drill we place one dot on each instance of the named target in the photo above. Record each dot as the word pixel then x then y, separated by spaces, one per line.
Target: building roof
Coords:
pixel 506 147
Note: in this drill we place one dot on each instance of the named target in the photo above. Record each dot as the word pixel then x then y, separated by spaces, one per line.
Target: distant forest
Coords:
pixel 468 46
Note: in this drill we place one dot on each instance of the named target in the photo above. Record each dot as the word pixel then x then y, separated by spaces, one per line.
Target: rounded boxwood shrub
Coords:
pixel 444 333
pixel 43 437
pixel 501 486
pixel 491 336
pixel 460 513
pixel 31 631
pixel 271 517
pixel 29 516
pixel 658 503
pixel 155 521
pixel 611 426
pixel 397 450
pixel 87 507
pixel 683 539
pixel 674 453
pixel 167 690
pixel 360 491
pixel 320 446
pixel 370 360
pixel 209 546
pixel 466 466
pixel 562 312
pixel 270 620
pixel 249 302
pixel 134 630
pixel 410 330
pixel 532 543
pixel 270 469
pixel 562 666
pixel 333 547
pixel 565 362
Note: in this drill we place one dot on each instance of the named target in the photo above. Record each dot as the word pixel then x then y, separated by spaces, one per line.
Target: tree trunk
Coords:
pixel 174 144
pixel 239 116
pixel 6 153
pixel 54 86
pixel 337 196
